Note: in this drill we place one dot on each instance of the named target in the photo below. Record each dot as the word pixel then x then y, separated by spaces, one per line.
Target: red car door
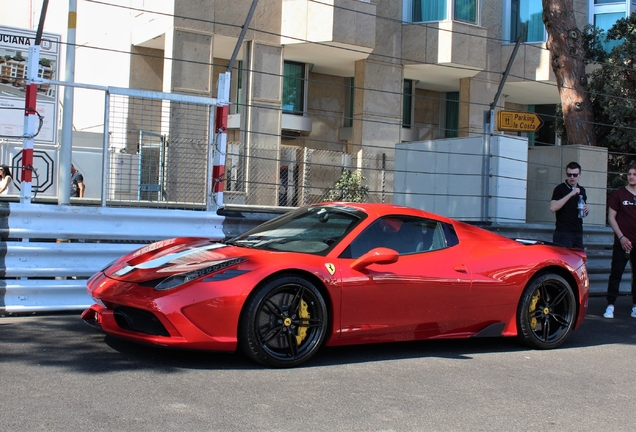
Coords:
pixel 419 296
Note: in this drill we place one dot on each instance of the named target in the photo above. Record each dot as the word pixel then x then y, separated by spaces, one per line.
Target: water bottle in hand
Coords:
pixel 581 207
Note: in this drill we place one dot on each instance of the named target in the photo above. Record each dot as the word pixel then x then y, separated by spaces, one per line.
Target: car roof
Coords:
pixel 384 209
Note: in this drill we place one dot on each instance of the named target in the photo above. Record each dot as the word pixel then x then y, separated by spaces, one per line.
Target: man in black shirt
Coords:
pixel 77 183
pixel 568 231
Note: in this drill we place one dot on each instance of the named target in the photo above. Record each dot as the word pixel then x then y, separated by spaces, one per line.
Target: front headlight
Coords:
pixel 183 278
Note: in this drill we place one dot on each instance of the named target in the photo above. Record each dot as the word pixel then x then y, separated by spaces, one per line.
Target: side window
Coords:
pixel 293 88
pixel 450 234
pixel 406 235
pixel 365 241
pixel 435 238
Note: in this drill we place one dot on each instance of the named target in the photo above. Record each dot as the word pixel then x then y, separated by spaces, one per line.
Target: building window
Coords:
pixel 546 135
pixel 348 103
pixel 438 10
pixel 604 14
pixel 466 10
pixel 434 10
pixel 604 22
pixel 293 88
pixel 236 92
pixel 407 104
pixel 451 128
pixel 524 18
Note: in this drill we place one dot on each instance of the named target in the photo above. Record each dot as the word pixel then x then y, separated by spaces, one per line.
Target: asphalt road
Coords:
pixel 58 374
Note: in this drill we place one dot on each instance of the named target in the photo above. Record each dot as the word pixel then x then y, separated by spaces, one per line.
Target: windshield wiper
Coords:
pixel 257 243
pixel 239 243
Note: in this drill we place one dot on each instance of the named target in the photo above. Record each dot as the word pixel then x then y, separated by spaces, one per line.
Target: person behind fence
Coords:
pixel 621 216
pixel 77 183
pixel 568 231
pixel 5 179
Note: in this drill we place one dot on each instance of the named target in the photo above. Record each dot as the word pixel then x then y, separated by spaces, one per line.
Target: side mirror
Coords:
pixel 375 256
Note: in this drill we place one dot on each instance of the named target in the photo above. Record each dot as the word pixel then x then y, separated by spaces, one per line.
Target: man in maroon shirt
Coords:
pixel 621 216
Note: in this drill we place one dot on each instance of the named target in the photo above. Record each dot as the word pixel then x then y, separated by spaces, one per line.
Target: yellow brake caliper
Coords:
pixel 532 307
pixel 302 313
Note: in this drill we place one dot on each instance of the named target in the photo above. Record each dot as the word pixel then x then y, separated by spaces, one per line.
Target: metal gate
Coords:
pixel 152 167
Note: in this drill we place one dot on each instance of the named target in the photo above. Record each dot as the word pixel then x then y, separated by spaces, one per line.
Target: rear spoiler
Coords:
pixel 531 242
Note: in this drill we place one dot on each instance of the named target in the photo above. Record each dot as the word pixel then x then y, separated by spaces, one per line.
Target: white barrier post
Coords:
pixel 222 111
pixel 30 116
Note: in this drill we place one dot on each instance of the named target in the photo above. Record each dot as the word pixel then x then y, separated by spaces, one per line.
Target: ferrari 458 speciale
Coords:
pixel 341 274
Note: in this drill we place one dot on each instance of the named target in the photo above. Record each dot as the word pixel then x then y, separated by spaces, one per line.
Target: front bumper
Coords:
pixel 146 328
pixel 202 316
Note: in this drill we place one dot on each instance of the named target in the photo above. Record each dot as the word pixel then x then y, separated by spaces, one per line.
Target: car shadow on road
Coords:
pixel 594 331
pixel 65 341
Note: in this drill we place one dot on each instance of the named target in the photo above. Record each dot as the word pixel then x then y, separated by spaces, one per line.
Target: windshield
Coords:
pixel 314 230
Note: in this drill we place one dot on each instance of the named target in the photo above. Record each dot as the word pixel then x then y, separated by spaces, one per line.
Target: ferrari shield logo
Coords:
pixel 330 268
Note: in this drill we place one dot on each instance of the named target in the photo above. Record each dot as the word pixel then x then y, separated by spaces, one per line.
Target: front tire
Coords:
pixel 546 312
pixel 284 322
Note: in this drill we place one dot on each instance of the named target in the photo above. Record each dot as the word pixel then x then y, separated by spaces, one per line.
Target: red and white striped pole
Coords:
pixel 218 160
pixel 222 112
pixel 30 118
pixel 30 113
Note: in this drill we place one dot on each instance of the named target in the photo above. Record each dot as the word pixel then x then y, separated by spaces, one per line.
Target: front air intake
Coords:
pixel 139 321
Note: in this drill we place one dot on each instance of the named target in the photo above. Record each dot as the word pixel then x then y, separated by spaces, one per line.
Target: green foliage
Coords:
pixel 612 87
pixel 613 96
pixel 593 39
pixel 349 187
pixel 45 62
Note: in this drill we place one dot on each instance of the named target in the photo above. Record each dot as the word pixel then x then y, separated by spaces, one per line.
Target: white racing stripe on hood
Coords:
pixel 158 262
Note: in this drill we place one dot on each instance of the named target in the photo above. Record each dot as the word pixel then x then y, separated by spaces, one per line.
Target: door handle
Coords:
pixel 461 268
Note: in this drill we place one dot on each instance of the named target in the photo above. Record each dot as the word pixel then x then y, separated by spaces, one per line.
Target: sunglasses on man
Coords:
pixel 572 174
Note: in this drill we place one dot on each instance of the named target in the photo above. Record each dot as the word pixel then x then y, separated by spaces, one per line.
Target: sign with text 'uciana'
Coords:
pixel 14 53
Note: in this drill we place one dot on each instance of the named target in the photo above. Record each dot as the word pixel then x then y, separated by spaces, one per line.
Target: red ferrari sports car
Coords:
pixel 341 274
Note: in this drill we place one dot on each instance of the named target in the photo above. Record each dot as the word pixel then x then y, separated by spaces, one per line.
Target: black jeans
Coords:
pixel 568 239
pixel 619 261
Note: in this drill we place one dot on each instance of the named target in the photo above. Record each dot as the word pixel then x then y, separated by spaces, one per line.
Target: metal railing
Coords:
pixel 49 251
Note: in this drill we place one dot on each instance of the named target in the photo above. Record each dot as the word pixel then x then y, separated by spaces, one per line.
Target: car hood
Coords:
pixel 175 256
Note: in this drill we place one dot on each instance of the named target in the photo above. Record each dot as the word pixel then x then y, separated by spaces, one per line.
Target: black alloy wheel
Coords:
pixel 546 312
pixel 284 322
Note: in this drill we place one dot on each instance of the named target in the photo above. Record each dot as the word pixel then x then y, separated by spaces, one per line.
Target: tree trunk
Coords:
pixel 565 43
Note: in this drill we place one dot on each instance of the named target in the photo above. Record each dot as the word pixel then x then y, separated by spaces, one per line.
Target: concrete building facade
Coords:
pixel 341 81
pixel 350 76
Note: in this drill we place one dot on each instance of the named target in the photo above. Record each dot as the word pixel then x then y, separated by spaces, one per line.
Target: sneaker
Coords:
pixel 634 312
pixel 609 312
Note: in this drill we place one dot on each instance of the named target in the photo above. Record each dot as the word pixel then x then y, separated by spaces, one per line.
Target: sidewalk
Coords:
pixel 623 308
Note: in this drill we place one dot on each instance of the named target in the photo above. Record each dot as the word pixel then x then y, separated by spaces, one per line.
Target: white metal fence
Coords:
pixel 49 251
pixel 159 149
pixel 156 150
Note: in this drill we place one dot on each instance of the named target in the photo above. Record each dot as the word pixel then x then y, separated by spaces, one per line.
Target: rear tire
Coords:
pixel 546 312
pixel 284 322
